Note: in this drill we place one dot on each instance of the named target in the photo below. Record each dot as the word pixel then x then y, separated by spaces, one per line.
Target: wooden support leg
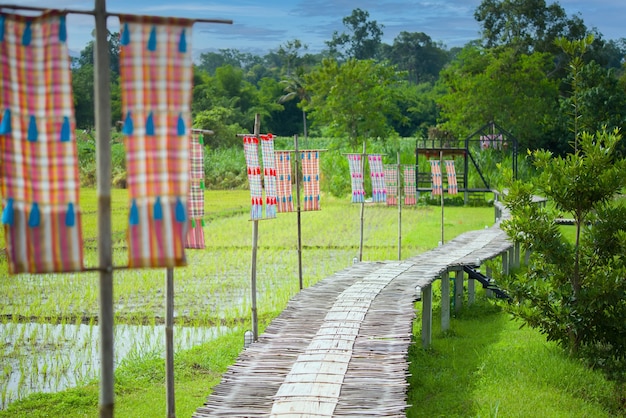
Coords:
pixel 471 293
pixel 427 315
pixel 445 301
pixel 488 273
pixel 517 250
pixel 505 262
pixel 458 290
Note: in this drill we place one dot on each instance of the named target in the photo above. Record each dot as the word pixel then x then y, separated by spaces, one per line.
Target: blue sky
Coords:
pixel 260 26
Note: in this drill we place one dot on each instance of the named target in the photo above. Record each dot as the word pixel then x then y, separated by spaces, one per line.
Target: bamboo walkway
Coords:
pixel 340 347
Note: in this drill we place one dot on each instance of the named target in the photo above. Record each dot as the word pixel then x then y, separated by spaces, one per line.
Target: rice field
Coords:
pixel 49 323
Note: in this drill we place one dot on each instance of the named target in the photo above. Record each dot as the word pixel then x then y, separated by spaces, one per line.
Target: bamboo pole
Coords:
pixel 441 173
pixel 105 253
pixel 255 244
pixel 170 404
pixel 362 203
pixel 297 154
pixel 399 197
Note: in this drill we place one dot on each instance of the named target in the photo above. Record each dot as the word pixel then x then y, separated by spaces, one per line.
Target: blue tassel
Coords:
pixel 281 158
pixel 7 213
pixel 32 129
pixel 26 36
pixel 181 125
pixel 152 41
pixel 128 125
pixel 289 177
pixel 181 213
pixel 125 35
pixel 62 29
pixel 5 126
pixel 150 125
pixel 65 129
pixel 182 44
pixel 158 210
pixel 70 218
pixel 133 219
pixel 2 19
pixel 35 217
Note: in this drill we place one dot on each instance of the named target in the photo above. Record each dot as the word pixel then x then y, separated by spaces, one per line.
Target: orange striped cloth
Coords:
pixel 39 170
pixel 435 172
pixel 410 192
pixel 453 187
pixel 195 197
pixel 284 193
pixel 391 183
pixel 156 73
pixel 311 179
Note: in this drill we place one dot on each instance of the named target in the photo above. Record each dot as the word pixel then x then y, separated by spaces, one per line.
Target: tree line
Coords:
pixel 359 87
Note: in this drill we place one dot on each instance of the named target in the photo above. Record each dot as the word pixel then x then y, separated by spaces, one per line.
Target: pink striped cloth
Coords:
pixel 156 73
pixel 410 192
pixel 391 183
pixel 269 175
pixel 355 163
pixel 283 181
pixel 453 187
pixel 311 180
pixel 377 175
pixel 195 197
pixel 251 153
pixel 38 171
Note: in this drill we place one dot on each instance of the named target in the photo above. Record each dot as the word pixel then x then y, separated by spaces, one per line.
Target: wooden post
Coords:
pixel 517 250
pixel 471 290
pixel 399 197
pixel 458 290
pixel 427 315
pixel 445 300
pixel 505 262
pixel 362 203
pixel 440 170
pixel 297 153
pixel 489 274
pixel 169 343
pixel 255 246
pixel 102 100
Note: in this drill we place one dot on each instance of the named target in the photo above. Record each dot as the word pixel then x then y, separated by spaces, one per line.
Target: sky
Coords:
pixel 261 26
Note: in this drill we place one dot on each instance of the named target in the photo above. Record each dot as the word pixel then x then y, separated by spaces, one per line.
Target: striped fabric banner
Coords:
pixel 38 171
pixel 283 181
pixel 377 174
pixel 251 152
pixel 156 74
pixel 356 173
pixel 195 197
pixel 435 173
pixel 391 182
pixel 410 191
pixel 453 187
pixel 269 175
pixel 311 179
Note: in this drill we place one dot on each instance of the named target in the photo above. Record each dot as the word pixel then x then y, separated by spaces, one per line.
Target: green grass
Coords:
pixel 488 352
pixel 485 365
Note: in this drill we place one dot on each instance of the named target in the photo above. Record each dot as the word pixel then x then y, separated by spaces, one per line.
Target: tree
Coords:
pixel 355 99
pixel 363 41
pixel 530 25
pixel 499 85
pixel 295 88
pixel 574 292
pixel 416 53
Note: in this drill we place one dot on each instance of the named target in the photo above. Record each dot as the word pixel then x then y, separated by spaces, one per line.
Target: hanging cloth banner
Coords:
pixel 391 182
pixel 156 74
pixel 251 152
pixel 435 172
pixel 284 194
pixel 311 179
pixel 409 185
pixel 377 174
pixel 356 174
pixel 453 187
pixel 195 198
pixel 269 175
pixel 39 170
